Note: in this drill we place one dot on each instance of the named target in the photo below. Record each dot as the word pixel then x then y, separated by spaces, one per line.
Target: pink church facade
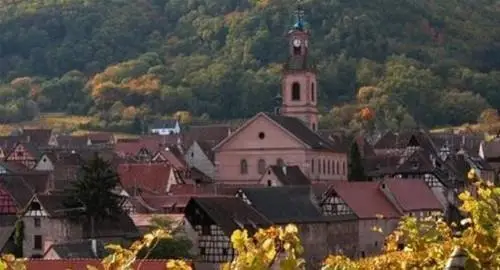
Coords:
pixel 245 155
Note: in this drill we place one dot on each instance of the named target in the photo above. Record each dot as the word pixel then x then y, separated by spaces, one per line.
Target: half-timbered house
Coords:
pixel 320 235
pixel 379 204
pixel 214 219
pixel 25 153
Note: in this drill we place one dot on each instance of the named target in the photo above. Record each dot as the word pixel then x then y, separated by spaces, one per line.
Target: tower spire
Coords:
pixel 299 17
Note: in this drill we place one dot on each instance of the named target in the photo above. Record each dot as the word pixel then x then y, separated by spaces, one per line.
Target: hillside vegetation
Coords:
pixel 430 63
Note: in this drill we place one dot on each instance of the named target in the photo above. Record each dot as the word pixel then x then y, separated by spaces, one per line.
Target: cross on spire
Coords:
pixel 299 17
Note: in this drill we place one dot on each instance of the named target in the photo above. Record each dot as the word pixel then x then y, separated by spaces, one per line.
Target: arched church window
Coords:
pixel 312 92
pixel 295 91
pixel 243 166
pixel 261 166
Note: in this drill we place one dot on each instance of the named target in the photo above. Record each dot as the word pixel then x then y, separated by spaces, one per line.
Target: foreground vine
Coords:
pixel 416 244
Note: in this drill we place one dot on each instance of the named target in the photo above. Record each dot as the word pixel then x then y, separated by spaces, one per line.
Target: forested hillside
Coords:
pixel 425 62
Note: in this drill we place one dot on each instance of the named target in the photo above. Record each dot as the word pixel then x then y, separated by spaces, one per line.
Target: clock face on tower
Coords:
pixel 296 42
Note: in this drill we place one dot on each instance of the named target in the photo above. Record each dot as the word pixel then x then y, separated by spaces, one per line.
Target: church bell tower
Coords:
pixel 298 83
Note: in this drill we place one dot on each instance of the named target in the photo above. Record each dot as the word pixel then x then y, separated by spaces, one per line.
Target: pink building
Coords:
pixel 268 140
pixel 286 139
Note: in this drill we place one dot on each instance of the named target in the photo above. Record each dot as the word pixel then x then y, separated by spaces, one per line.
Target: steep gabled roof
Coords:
pixel 153 176
pixel 302 132
pixel 292 126
pixel 290 175
pixel 285 204
pixel 20 191
pixel 230 213
pixel 413 195
pixel 365 199
pixel 418 162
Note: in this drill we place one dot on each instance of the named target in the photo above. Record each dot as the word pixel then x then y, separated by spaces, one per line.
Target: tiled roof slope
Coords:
pixel 302 132
pixel 285 204
pixel 290 175
pixel 365 199
pixel 413 195
pixel 230 213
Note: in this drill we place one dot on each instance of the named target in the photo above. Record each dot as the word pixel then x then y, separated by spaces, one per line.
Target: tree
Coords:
pixel 94 191
pixel 175 247
pixel 356 169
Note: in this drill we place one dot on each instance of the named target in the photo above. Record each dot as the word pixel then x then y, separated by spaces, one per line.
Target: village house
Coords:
pixel 320 234
pixel 24 153
pixel 46 222
pixel 212 220
pixel 379 205
pixel 165 127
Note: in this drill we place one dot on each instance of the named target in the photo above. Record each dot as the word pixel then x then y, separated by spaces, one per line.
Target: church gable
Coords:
pixel 260 133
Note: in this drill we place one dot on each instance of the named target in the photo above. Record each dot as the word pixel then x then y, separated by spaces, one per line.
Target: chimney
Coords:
pixel 94 247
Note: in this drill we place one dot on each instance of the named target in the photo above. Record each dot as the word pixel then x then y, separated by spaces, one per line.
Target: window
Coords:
pixel 280 162
pixel 262 135
pixel 224 252
pixel 261 166
pixel 312 165
pixel 37 222
pixel 295 91
pixel 333 167
pixel 37 239
pixel 338 167
pixel 314 126
pixel 324 166
pixel 35 206
pixel 205 230
pixel 343 167
pixel 19 153
pixel 312 92
pixel 243 166
pixel 202 251
pixel 269 183
pixel 329 167
pixel 319 166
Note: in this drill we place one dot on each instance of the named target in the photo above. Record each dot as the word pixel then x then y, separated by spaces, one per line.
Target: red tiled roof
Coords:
pixel 81 264
pixel 150 176
pixel 413 195
pixel 133 147
pixel 8 205
pixel 174 157
pixel 365 199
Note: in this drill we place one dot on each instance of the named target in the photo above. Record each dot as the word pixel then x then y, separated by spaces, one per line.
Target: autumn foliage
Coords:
pixel 416 244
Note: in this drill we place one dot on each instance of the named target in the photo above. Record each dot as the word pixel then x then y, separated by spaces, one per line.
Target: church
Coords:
pixel 287 137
